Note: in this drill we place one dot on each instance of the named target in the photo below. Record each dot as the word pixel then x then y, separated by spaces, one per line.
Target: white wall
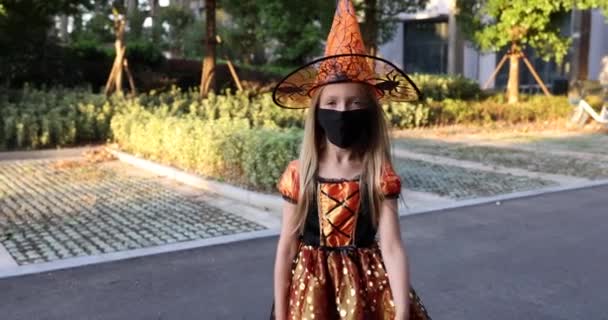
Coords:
pixel 477 66
pixel 393 49
pixel 598 44
pixel 433 9
pixel 487 64
pixel 471 58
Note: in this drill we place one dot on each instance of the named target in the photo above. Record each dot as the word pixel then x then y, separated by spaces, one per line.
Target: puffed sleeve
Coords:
pixel 391 183
pixel 289 183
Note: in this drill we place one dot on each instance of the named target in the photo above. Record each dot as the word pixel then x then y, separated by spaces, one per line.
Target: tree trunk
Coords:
pixel 132 6
pixel 583 53
pixel 581 27
pixel 370 26
pixel 208 72
pixel 513 83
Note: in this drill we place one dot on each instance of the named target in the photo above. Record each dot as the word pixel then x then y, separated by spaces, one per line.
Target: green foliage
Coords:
pixel 237 138
pixel 98 29
pixel 294 31
pixel 192 40
pixel 34 118
pixel 494 109
pixel 25 36
pixel 266 153
pixel 143 52
pixel 139 52
pixel 243 39
pixel 495 24
pixel 406 115
pixel 172 22
pixel 439 87
pixel 382 27
pixel 224 149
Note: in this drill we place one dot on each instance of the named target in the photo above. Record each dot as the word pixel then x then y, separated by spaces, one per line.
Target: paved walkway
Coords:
pixel 533 258
pixel 116 210
pixel 52 210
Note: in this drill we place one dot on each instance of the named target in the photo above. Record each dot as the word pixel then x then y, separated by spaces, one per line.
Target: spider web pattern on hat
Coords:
pixel 345 60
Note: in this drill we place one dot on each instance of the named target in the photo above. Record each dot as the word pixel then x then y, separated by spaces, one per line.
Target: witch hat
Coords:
pixel 345 60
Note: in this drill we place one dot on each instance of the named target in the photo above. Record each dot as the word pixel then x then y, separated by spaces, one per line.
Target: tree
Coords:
pixel 208 71
pixel 25 36
pixel 297 30
pixel 242 33
pixel 380 19
pixel 517 24
pixel 174 20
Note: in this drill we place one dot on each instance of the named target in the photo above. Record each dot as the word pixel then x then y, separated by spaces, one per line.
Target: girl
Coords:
pixel 342 191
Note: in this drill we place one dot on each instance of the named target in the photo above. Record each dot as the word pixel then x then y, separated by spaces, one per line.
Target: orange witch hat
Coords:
pixel 345 60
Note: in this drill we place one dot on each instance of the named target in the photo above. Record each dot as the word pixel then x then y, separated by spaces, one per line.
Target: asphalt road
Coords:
pixel 543 257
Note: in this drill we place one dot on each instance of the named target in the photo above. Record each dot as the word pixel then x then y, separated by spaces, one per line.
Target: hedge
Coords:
pixel 223 149
pixel 33 118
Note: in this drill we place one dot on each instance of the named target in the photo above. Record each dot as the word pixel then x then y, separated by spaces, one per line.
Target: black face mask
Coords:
pixel 345 128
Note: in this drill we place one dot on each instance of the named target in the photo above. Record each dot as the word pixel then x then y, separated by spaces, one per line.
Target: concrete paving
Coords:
pixel 539 258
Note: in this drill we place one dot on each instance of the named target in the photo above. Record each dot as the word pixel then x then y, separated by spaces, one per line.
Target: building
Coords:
pixel 429 41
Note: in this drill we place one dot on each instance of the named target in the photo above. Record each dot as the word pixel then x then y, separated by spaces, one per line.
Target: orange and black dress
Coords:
pixel 338 272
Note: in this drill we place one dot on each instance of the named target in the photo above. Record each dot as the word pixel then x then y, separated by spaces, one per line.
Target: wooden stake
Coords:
pixel 130 77
pixel 538 79
pixel 504 59
pixel 119 61
pixel 234 75
pixel 115 78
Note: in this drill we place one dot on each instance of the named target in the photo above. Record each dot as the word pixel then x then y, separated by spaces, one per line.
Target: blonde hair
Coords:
pixel 375 155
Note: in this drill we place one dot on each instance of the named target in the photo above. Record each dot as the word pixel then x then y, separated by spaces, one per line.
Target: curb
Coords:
pixel 506 197
pixel 479 166
pixel 45 154
pixel 128 254
pixel 252 198
pixel 274 203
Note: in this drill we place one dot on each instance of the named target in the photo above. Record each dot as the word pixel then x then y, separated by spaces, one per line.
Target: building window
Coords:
pixel 425 48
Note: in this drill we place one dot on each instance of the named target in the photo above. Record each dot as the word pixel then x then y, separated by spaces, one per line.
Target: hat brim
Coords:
pixel 295 91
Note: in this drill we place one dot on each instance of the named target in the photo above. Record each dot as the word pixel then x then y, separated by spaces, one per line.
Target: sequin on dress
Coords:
pixel 338 272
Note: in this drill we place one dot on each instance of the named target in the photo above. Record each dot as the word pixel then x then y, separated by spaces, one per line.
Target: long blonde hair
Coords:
pixel 375 155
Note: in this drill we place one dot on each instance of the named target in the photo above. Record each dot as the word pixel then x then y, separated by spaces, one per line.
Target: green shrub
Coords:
pixel 32 118
pixel 258 110
pixel 266 153
pixel 139 52
pixel 224 149
pixel 493 109
pixel 142 52
pixel 439 87
pixel 406 115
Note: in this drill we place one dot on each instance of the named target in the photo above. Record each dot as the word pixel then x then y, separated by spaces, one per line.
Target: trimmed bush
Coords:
pixel 530 109
pixel 224 149
pixel 439 87
pixel 34 118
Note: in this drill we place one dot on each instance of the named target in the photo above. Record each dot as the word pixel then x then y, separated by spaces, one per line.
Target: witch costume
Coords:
pixel 338 272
